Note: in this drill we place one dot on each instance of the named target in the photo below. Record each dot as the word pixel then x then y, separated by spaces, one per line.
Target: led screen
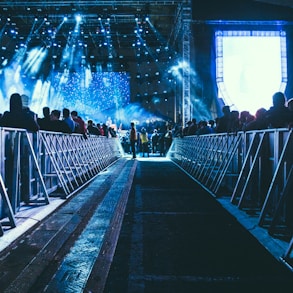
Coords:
pixel 250 68
pixel 94 95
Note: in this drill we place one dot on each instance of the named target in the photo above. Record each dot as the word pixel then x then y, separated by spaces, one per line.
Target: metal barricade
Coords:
pixel 253 169
pixel 35 166
pixel 74 160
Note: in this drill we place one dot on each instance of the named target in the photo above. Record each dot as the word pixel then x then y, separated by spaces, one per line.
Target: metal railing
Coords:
pixel 35 166
pixel 253 169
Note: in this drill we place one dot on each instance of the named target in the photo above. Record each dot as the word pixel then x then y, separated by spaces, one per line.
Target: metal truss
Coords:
pixel 186 103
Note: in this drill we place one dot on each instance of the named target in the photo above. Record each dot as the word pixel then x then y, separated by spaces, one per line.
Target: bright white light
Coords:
pixel 78 18
pixel 34 60
pixel 251 73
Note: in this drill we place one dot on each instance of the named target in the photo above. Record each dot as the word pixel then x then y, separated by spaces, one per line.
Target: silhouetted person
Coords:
pixel 234 121
pixel 80 124
pixel 224 122
pixel 92 129
pixel 25 106
pixel 133 139
pixel 244 118
pixel 278 115
pixel 112 131
pixel 203 128
pixel 45 122
pixel 192 127
pixel 212 125
pixel 17 117
pixel 168 139
pixel 144 142
pixel 58 125
pixel 68 120
pixel 155 140
pixel 100 128
pixel 161 144
pixel 185 130
pixel 260 121
pixel 106 130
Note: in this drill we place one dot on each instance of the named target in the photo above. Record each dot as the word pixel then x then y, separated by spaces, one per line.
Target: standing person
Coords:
pixel 58 125
pixel 161 144
pixel 25 106
pixel 155 140
pixel 92 129
pixel 259 122
pixel 144 142
pixel 278 115
pixel 133 139
pixel 193 127
pixel 224 122
pixel 80 124
pixel 45 122
pixel 68 120
pixel 168 139
pixel 16 117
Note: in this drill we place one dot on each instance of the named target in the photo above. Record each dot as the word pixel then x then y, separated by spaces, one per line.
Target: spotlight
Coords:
pixel 78 18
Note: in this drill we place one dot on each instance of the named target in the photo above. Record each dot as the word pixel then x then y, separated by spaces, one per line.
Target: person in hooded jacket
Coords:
pixel 17 117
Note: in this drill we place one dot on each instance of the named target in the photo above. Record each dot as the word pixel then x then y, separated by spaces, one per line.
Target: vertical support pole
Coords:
pixel 186 103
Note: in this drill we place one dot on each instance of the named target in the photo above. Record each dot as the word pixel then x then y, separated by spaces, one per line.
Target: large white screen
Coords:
pixel 252 71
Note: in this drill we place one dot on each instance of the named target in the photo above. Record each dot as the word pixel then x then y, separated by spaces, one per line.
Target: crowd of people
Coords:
pixel 65 121
pixel 279 115
pixel 150 138
pixel 21 116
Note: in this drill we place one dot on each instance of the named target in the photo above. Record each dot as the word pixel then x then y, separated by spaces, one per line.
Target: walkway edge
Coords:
pixel 73 214
pixel 89 260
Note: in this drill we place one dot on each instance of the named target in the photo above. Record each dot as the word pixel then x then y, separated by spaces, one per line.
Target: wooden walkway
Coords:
pixel 142 226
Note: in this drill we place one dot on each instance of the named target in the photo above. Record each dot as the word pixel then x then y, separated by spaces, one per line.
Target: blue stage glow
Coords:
pixel 94 95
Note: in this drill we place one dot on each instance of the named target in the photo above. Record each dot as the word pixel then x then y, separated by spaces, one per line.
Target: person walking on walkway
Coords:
pixel 133 139
pixel 144 142
pixel 155 140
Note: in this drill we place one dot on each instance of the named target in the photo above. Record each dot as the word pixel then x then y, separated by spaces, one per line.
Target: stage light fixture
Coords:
pixel 78 18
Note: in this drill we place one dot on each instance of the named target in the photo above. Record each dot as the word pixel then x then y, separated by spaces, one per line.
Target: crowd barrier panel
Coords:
pixel 36 166
pixel 253 169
